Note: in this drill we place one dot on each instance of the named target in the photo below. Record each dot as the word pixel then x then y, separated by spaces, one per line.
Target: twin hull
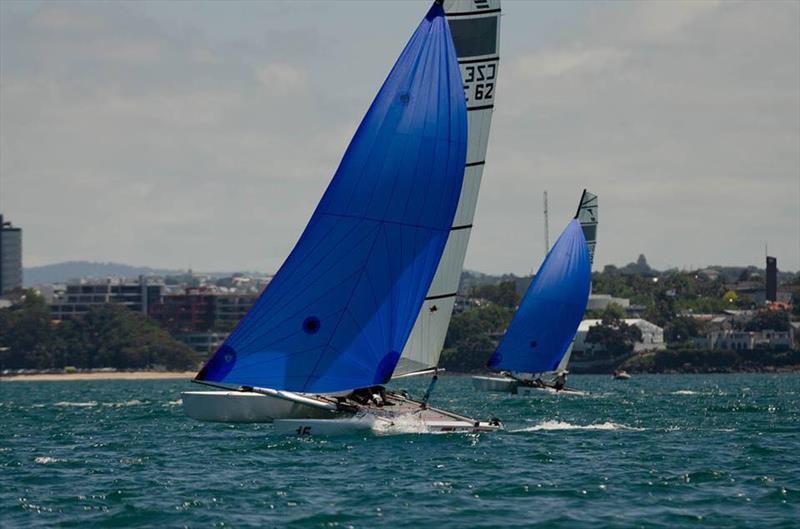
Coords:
pixel 403 416
pixel 244 406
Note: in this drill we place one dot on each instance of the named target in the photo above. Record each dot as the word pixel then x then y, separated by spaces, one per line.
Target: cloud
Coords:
pixel 683 117
pixel 561 62
pixel 281 78
pixel 151 134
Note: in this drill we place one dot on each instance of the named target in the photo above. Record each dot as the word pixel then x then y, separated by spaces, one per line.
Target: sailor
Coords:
pixel 362 395
pixel 378 395
pixel 561 381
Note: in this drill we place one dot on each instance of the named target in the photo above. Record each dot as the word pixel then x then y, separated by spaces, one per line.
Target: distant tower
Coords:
pixel 546 227
pixel 772 279
pixel 10 256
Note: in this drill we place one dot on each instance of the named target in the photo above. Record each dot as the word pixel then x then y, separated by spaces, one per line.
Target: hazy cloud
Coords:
pixel 203 134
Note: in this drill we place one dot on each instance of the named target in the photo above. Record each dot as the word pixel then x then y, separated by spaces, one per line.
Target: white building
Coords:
pixel 652 335
pixel 733 340
pixel 80 296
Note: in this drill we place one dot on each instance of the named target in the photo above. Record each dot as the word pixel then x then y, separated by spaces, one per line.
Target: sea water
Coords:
pixel 654 451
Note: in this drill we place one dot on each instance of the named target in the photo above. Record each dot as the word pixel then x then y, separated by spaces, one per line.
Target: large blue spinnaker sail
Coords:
pixel 339 311
pixel 551 310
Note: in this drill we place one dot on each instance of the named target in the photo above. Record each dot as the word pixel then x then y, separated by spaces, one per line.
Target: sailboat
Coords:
pixel 539 339
pixel 333 324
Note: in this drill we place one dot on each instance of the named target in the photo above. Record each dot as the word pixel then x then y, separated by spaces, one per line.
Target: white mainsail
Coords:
pixel 475 27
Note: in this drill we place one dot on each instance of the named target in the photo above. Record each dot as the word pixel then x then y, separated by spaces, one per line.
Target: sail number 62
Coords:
pixel 482 77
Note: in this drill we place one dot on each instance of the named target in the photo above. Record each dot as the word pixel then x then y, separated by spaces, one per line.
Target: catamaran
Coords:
pixel 368 290
pixel 539 339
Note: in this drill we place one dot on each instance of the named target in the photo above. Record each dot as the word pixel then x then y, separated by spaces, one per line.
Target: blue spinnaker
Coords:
pixel 551 310
pixel 339 311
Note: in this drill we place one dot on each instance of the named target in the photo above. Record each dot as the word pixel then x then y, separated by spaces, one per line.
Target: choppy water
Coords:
pixel 655 451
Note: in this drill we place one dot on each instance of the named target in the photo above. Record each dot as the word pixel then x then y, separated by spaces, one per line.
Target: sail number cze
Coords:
pixel 479 81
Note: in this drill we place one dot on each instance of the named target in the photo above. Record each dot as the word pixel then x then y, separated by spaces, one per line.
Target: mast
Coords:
pixel 475 26
pixel 546 226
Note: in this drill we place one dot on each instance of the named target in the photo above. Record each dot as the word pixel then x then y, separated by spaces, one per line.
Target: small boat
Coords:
pixel 538 342
pixel 621 374
pixel 336 319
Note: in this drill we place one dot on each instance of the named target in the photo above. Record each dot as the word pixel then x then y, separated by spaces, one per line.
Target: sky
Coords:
pixel 202 134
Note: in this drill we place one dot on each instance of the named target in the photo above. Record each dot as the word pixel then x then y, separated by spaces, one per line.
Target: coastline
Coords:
pixel 102 375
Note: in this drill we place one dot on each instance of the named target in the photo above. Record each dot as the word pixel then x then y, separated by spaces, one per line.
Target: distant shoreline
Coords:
pixel 103 375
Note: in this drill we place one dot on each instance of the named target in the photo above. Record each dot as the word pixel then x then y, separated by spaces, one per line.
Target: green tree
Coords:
pixel 468 344
pixel 107 336
pixel 682 329
pixel 773 320
pixel 503 294
pixel 614 335
pixel 27 334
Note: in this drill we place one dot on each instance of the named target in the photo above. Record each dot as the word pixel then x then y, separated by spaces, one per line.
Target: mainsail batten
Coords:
pixel 475 27
pixel 341 308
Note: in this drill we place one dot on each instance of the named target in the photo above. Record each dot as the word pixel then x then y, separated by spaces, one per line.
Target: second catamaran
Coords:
pixel 538 342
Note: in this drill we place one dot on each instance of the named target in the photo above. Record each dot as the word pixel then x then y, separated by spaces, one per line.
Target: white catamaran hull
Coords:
pixel 244 406
pixel 401 415
pixel 499 384
pixel 533 391
pixel 515 387
pixel 333 427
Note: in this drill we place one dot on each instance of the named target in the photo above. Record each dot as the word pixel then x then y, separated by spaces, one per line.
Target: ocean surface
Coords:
pixel 655 451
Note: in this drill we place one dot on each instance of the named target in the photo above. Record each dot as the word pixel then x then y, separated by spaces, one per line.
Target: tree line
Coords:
pixel 107 336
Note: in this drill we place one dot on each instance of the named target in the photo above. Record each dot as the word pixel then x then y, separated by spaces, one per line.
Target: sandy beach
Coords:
pixel 112 375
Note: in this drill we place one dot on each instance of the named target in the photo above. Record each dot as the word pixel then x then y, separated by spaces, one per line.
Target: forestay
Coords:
pixel 339 311
pixel 475 26
pixel 545 324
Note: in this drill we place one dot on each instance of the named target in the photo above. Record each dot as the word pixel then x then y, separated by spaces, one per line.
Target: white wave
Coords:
pixel 123 404
pixel 65 404
pixel 561 425
pixel 402 424
pixel 174 402
pixel 47 460
pixel 685 392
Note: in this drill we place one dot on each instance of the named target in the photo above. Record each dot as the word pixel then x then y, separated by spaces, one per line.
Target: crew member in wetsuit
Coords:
pixel 561 381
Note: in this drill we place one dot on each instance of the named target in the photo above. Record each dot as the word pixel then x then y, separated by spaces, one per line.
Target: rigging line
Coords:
pixel 345 306
pixel 253 337
pixel 432 156
pixel 364 336
pixel 248 338
pixel 393 222
pixel 290 286
pixel 237 329
pixel 282 356
pixel 323 239
pixel 286 281
pixel 372 289
pixel 274 309
pixel 419 41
